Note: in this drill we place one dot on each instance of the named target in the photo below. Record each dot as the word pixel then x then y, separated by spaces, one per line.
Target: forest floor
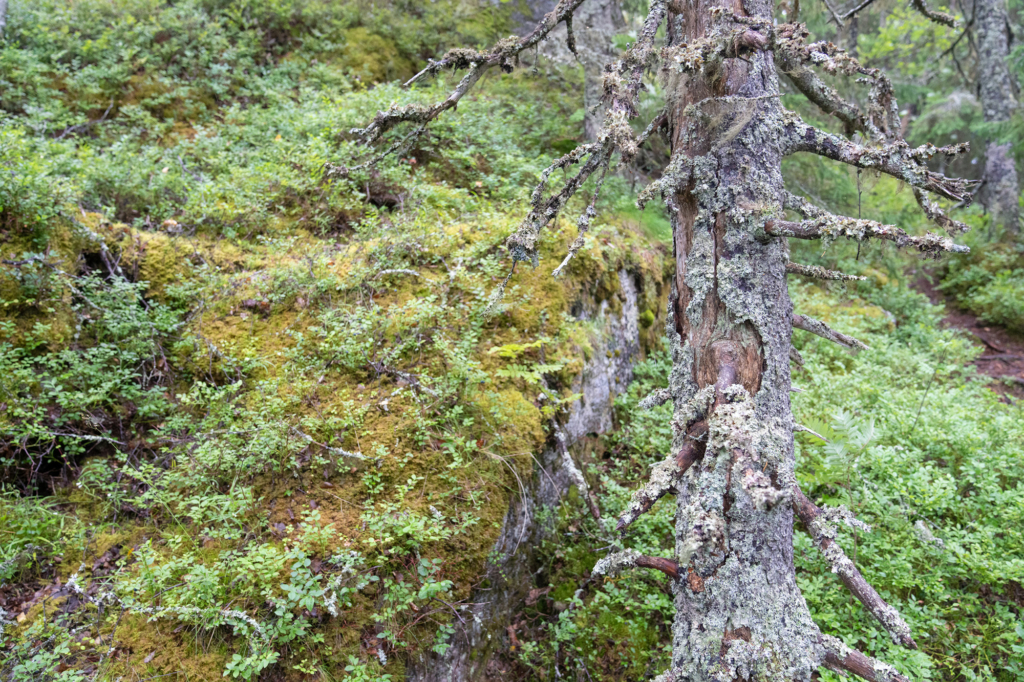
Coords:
pixel 1003 358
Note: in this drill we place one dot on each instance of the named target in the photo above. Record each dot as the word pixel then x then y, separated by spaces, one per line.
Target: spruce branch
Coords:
pixel 823 533
pixel 831 227
pixel 809 324
pixel 896 159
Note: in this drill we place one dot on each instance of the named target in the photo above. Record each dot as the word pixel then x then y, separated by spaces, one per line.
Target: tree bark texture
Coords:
pixel 1000 195
pixel 3 17
pixel 740 614
pixel 595 24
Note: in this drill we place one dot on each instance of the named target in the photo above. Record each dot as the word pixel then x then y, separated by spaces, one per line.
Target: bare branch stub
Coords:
pixel 666 566
pixel 665 475
pixel 824 539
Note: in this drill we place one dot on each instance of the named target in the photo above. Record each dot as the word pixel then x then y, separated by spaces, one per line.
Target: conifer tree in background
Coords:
pixel 995 88
pixel 739 611
pixel 594 25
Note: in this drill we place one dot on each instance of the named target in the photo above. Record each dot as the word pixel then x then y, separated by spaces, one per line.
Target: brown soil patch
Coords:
pixel 1003 355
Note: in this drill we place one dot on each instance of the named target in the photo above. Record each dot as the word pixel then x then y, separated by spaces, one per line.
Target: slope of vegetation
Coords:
pixel 257 420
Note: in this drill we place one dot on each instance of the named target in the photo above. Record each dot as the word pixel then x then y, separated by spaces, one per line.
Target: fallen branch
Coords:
pixel 410 379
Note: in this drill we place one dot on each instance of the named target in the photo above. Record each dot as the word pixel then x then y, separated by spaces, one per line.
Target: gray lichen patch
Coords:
pixel 616 563
pixel 883 672
pixel 655 398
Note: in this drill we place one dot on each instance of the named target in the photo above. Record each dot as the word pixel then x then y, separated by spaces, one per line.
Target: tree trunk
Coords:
pixel 739 611
pixel 598 22
pixel 595 24
pixel 3 17
pixel 997 100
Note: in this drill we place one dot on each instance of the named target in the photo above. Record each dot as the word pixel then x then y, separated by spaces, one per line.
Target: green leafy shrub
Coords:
pixel 990 285
pixel 57 403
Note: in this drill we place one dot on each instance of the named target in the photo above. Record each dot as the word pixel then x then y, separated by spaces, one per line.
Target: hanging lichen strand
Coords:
pixel 739 612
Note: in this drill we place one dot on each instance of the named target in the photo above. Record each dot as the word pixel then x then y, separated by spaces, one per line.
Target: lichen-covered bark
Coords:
pixel 998 101
pixel 740 614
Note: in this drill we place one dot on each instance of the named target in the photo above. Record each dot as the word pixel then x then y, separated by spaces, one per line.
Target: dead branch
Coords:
pixel 658 396
pixel 576 476
pixel 817 272
pixel 862 6
pixel 801 427
pixel 666 566
pixel 825 226
pixel 882 120
pixel 665 476
pixel 896 158
pixel 842 659
pixel 616 562
pixel 937 17
pixel 411 379
pixel 622 90
pixel 823 535
pixel 938 216
pixel 820 93
pixel 809 324
pixel 505 54
pixel 828 229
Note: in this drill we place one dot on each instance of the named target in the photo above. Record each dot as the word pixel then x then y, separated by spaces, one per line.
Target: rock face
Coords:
pixel 508 575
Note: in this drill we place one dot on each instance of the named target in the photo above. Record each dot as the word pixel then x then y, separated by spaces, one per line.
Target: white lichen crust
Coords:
pixel 655 398
pixel 616 563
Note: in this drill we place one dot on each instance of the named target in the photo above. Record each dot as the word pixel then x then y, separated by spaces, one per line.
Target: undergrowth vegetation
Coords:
pixel 256 419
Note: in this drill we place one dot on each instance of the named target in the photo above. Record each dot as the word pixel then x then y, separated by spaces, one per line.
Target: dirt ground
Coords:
pixel 1003 354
